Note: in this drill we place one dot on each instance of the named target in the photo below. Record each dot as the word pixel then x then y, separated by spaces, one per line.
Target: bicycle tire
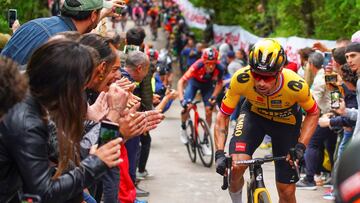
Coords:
pixel 263 198
pixel 205 141
pixel 191 145
pixel 250 198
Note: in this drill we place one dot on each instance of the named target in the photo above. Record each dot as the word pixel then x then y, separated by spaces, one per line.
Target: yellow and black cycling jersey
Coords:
pixel 281 106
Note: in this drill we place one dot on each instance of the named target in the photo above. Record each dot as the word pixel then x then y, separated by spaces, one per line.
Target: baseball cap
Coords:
pixel 87 5
pixel 231 54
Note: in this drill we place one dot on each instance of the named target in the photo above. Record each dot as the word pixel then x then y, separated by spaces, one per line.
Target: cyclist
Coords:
pixel 204 75
pixel 273 97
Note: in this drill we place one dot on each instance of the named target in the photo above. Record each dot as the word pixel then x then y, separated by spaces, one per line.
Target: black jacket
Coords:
pixel 24 159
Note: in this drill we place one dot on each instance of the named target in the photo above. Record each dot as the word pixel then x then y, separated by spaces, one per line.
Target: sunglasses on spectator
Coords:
pixel 266 78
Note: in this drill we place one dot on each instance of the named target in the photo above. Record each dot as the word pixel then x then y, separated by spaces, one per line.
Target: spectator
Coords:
pixel 352 54
pixel 55 93
pixel 13 86
pixel 234 64
pixel 76 15
pixel 242 57
pixel 209 32
pixel 137 67
pixel 191 53
pixel 347 176
pixel 321 95
pixel 304 71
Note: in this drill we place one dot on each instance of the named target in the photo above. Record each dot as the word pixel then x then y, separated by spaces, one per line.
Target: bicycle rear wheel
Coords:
pixel 191 145
pixel 205 144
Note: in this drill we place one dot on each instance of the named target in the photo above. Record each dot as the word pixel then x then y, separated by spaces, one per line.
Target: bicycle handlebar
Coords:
pixel 259 161
pixel 256 161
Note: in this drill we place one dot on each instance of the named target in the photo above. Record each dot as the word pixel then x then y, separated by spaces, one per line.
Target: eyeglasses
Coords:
pixel 266 78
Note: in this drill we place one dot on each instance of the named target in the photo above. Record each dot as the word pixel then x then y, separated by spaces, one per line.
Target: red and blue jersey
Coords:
pixel 198 72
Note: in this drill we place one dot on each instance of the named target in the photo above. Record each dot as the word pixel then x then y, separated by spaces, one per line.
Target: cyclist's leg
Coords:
pixel 284 137
pixel 247 136
pixel 189 94
pixel 206 92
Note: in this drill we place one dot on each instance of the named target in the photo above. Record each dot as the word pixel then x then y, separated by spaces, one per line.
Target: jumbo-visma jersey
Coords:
pixel 282 106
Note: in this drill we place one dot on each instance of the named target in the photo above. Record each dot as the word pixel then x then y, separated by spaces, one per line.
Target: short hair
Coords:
pixel 305 52
pixel 135 36
pixel 13 84
pixel 339 55
pixel 348 75
pixel 316 59
pixel 101 45
pixel 136 58
pixel 77 15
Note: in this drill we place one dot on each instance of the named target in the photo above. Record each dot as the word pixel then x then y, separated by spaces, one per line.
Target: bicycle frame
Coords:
pixel 193 107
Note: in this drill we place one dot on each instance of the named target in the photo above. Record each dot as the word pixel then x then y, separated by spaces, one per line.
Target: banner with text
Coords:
pixel 240 38
pixel 194 17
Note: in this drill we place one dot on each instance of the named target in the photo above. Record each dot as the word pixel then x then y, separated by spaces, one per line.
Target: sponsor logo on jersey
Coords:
pixel 239 125
pixel 276 103
pixel 283 113
pixel 295 85
pixel 243 77
pixel 240 146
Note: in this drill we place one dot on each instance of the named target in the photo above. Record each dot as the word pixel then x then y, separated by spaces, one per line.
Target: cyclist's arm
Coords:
pixel 217 90
pixel 228 105
pixel 181 83
pixel 308 126
pixel 221 130
pixel 307 102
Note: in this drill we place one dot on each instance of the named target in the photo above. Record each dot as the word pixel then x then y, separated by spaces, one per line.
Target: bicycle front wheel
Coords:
pixel 205 144
pixel 191 145
pixel 263 197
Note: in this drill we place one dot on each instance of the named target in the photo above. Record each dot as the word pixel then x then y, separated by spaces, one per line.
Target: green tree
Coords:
pixel 26 10
pixel 322 19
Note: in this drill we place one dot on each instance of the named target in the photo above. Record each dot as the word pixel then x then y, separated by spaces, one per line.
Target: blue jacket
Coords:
pixel 33 34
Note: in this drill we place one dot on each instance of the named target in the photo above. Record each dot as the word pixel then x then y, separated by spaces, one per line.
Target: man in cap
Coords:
pixel 76 15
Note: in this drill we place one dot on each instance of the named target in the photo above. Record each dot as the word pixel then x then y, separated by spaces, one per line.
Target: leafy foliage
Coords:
pixel 323 19
pixel 26 10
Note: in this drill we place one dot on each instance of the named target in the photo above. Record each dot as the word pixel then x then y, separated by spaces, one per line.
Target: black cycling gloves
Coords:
pixel 220 161
pixel 298 151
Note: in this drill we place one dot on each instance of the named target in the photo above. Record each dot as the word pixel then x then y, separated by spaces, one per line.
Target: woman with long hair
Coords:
pixel 56 86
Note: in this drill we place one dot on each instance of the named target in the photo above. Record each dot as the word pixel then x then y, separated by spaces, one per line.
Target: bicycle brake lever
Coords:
pixel 292 157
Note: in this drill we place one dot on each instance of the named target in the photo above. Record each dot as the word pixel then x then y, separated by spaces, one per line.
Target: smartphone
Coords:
pixel 12 16
pixel 327 58
pixel 108 132
pixel 335 99
pixel 330 78
pixel 28 198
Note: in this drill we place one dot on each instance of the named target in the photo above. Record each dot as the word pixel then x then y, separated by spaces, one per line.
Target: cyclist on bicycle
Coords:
pixel 204 75
pixel 273 99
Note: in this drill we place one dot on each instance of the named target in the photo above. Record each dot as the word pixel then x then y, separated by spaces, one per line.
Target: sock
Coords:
pixel 236 196
pixel 183 125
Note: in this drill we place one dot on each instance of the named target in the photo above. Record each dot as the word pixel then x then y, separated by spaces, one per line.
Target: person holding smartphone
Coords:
pixel 55 94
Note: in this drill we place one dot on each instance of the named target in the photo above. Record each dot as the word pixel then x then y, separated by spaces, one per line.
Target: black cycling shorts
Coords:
pixel 249 132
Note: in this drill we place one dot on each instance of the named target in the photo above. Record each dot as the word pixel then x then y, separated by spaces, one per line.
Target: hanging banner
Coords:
pixel 239 37
pixel 242 39
pixel 194 17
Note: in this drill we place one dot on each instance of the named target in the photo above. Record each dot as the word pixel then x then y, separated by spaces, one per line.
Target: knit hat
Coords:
pixel 353 47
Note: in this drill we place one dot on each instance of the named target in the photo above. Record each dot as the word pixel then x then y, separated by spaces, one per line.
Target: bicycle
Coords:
pixel 256 190
pixel 199 137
